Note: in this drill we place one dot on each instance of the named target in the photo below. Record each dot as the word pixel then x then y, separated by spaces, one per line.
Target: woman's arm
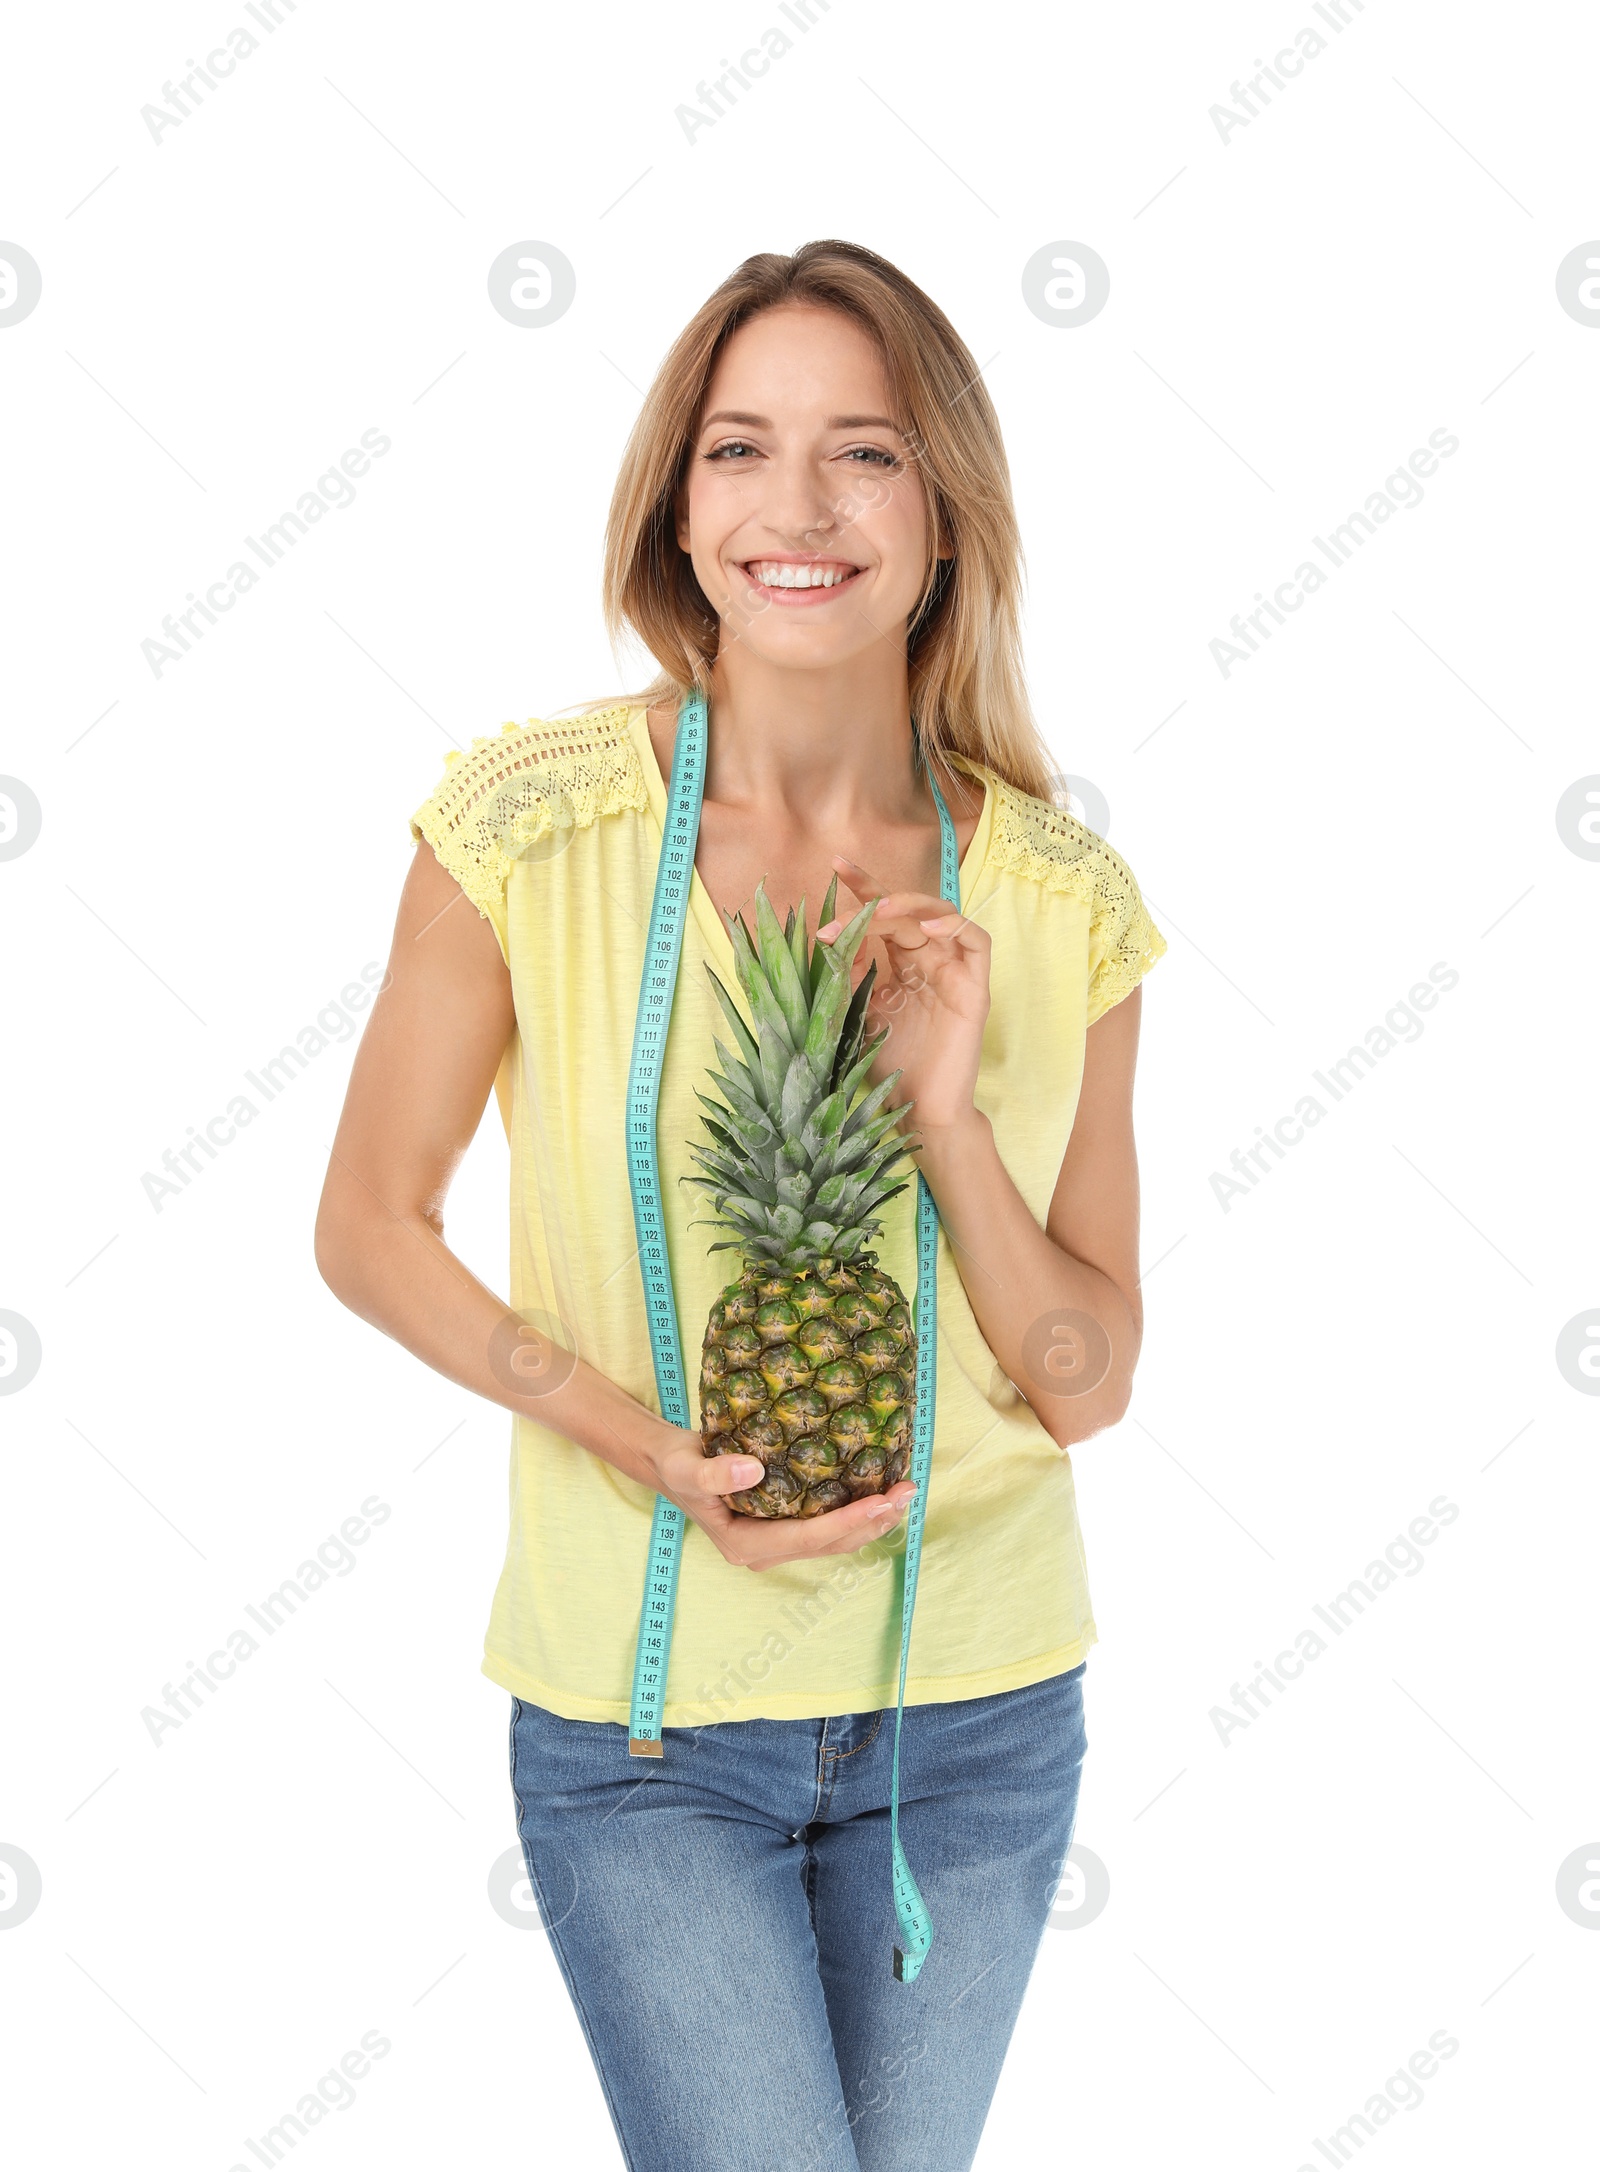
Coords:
pixel 1086 1258
pixel 418 1088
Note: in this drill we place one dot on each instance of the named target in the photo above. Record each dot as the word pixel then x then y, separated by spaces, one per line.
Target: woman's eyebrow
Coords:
pixel 834 422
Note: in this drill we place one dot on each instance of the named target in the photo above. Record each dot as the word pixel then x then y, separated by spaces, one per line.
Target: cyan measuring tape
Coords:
pixel 663 949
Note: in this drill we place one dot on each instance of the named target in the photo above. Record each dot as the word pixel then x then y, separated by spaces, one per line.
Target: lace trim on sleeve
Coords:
pixel 1051 847
pixel 503 795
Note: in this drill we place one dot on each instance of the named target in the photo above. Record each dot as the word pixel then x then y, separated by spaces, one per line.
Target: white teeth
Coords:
pixel 790 576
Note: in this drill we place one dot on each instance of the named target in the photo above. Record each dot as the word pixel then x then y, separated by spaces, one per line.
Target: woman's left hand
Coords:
pixel 931 991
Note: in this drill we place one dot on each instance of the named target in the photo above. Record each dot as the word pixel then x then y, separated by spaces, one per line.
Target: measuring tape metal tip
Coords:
pixel 908 1961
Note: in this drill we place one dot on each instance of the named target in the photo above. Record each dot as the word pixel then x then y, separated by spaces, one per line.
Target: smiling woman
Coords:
pixel 812 533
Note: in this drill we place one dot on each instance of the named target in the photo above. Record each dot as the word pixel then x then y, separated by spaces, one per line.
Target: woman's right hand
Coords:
pixel 699 1484
pixel 419 1085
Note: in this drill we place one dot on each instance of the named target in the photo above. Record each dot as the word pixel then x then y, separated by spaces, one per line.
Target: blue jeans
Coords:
pixel 725 1921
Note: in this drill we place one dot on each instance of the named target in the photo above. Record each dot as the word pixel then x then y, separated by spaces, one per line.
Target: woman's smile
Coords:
pixel 794 578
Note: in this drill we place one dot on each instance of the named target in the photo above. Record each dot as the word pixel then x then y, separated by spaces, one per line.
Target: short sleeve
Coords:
pixel 503 797
pixel 463 822
pixel 1124 942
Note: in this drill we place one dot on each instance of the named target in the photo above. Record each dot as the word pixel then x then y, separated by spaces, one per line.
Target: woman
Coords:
pixel 813 530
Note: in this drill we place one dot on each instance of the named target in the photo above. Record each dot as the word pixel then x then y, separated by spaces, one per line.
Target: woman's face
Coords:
pixel 802 512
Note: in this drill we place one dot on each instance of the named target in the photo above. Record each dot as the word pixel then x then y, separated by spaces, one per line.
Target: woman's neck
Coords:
pixel 821 745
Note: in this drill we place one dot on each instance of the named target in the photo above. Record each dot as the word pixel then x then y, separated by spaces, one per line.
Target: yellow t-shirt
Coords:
pixel 553 830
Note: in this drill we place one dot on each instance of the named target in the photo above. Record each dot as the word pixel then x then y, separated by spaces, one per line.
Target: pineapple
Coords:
pixel 809 1361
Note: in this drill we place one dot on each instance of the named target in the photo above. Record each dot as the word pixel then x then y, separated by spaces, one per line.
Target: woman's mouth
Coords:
pixel 799 581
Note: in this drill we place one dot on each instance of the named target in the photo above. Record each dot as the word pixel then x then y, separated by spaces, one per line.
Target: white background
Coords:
pixel 1373 1325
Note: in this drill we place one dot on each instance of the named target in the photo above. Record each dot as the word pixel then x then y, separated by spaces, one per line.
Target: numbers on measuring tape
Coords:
pixel 663 946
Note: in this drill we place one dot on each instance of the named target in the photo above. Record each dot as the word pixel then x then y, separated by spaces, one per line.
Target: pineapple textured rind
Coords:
pixel 815 1373
pixel 809 1359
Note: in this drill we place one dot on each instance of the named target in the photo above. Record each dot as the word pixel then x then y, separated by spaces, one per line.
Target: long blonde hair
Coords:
pixel 965 647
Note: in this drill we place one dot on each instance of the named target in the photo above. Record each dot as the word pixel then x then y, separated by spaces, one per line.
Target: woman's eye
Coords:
pixel 737 450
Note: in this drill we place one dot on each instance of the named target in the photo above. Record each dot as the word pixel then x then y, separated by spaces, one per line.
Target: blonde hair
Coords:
pixel 964 651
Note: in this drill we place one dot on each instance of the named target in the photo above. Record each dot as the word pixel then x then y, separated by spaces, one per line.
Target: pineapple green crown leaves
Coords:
pixel 794 1170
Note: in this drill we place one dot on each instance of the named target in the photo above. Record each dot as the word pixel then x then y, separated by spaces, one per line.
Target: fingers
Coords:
pixel 910 931
pixel 763 1543
pixel 902 912
pixel 700 1483
pixel 712 1476
pixel 891 902
pixel 964 933
pixel 869 887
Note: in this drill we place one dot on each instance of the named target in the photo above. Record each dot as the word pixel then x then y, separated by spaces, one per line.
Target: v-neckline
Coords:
pixel 701 903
